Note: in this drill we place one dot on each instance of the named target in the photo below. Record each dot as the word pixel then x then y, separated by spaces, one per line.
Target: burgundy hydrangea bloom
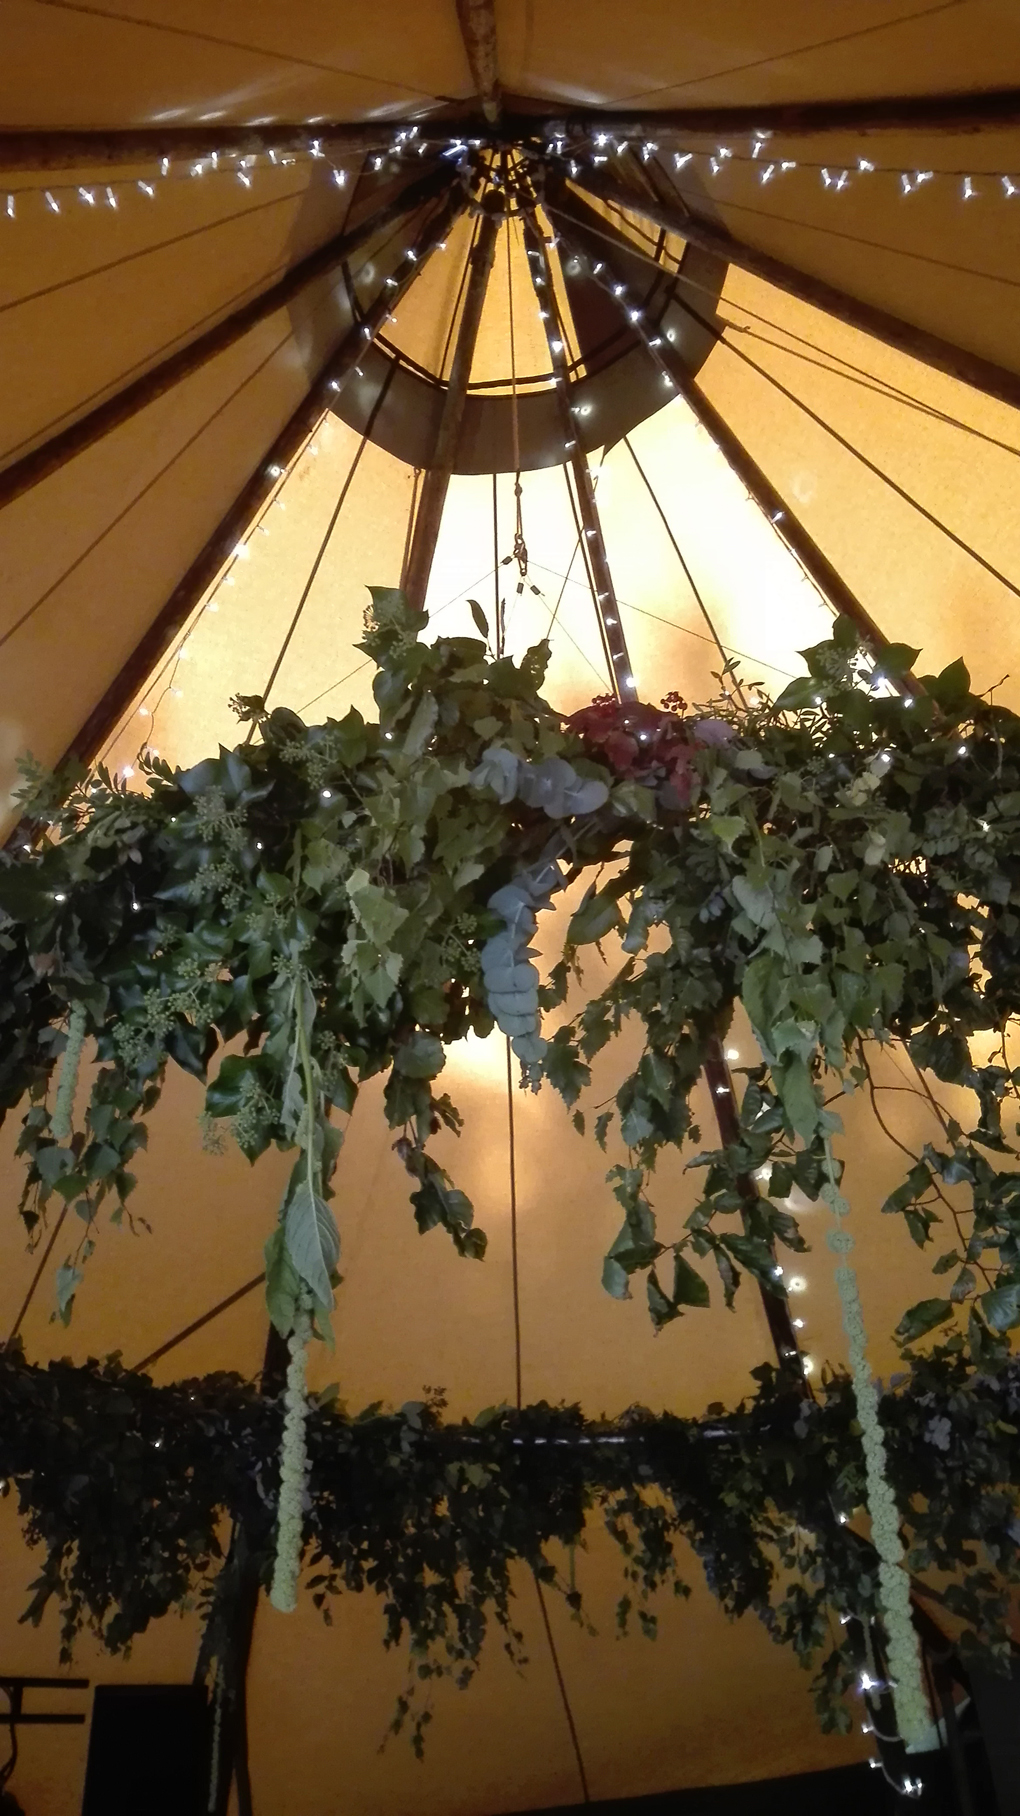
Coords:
pixel 635 740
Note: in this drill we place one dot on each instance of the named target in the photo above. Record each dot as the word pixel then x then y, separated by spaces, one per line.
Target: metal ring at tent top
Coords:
pixel 620 387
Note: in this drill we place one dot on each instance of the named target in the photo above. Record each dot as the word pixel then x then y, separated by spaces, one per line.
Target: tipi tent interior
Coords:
pixel 667 335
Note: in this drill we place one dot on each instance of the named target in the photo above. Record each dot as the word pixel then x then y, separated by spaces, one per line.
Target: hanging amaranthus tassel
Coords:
pixel 293 1468
pixel 912 1714
pixel 60 1122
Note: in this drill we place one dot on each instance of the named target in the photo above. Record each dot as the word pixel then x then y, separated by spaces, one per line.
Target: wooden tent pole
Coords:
pixel 920 343
pixel 437 479
pixel 46 149
pixel 593 545
pixel 477 21
pixel 22 474
pixel 892 113
pixel 60 150
pixel 816 565
pixel 799 540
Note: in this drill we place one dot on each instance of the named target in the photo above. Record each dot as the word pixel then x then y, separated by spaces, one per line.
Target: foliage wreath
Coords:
pixel 352 897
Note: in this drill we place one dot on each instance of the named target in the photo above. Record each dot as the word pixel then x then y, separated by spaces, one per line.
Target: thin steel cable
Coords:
pixel 879 473
pixel 31 610
pixel 152 355
pixel 317 563
pixel 854 374
pixel 839 233
pixel 252 50
pixel 564 1698
pixel 36 1277
pixel 799 50
pixel 189 1330
pixel 679 555
pixel 458 299
pixel 141 252
pixel 512 1152
pixel 870 465
pixel 323 302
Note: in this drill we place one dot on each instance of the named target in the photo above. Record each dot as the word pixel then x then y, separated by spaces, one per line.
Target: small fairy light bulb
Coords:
pixel 243 177
pixel 339 177
pixel 326 795
pixel 51 201
pixel 1009 188
pixel 681 159
pixel 146 189
pixel 111 196
pixel 88 196
pixel 798 1323
pixel 967 190
pixel 796 1283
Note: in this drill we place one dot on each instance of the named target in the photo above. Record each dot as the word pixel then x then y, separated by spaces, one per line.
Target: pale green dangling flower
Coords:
pixel 912 1713
pixel 293 1468
pixel 60 1122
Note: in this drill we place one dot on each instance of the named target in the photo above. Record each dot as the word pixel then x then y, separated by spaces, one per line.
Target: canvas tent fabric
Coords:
pixel 901 474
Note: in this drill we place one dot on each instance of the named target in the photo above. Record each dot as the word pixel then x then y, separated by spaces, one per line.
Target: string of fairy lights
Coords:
pixel 767 166
pixel 757 157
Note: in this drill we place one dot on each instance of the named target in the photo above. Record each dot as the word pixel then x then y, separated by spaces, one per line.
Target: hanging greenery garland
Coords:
pixel 435 1518
pixel 351 898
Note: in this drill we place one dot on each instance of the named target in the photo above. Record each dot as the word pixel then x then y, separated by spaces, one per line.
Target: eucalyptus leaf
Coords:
pixel 312 1240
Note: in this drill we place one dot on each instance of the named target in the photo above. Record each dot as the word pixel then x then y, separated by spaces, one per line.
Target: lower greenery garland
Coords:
pixel 131 1490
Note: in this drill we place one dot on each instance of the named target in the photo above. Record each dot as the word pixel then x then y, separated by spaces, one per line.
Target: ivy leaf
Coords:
pixel 615 1279
pixel 375 908
pixel 283 1282
pixel 922 1317
pixel 756 900
pixel 689 1287
pixel 312 1238
pixel 950 688
pixel 423 724
pixel 796 1089
pixel 422 1056
pixel 727 828
pixel 799 694
pixel 68 1280
pixel 597 916
pixel 963 1286
pixel 1001 1306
